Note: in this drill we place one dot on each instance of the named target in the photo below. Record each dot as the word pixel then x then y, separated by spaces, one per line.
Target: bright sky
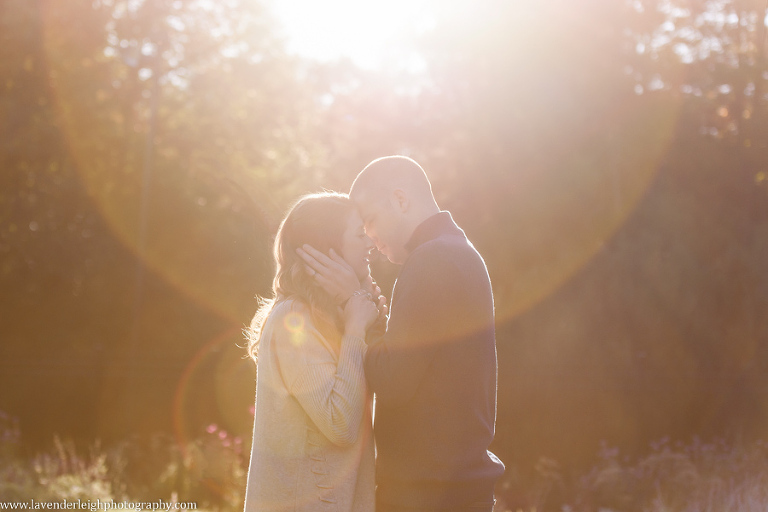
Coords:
pixel 367 32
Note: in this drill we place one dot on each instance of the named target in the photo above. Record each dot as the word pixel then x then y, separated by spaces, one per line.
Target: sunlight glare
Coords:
pixel 365 32
pixel 294 324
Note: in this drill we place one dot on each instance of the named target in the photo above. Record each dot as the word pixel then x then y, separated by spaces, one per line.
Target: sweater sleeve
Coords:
pixel 428 311
pixel 333 394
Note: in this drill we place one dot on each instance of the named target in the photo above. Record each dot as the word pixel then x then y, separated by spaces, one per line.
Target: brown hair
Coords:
pixel 320 221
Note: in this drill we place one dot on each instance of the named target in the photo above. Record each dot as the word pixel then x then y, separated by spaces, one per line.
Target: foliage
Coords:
pixel 606 157
pixel 693 477
pixel 677 477
pixel 57 475
pixel 209 471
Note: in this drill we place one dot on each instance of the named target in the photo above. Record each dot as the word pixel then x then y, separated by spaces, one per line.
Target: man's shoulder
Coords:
pixel 454 242
pixel 445 259
pixel 449 249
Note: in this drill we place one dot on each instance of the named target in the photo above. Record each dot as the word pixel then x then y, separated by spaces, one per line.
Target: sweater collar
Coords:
pixel 439 224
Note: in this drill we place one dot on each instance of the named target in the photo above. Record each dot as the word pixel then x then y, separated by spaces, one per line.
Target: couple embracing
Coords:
pixel 326 344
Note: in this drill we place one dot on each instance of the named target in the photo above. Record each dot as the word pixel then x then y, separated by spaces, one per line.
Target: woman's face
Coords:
pixel 356 246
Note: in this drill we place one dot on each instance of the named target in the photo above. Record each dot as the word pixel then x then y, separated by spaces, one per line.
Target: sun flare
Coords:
pixel 365 32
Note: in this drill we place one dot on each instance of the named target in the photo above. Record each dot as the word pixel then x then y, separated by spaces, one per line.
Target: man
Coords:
pixel 434 370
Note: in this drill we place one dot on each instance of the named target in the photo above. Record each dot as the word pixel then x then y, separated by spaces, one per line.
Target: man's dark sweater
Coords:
pixel 434 376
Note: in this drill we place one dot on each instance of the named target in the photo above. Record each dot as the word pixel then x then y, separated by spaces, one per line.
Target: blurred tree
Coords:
pixel 179 129
pixel 607 158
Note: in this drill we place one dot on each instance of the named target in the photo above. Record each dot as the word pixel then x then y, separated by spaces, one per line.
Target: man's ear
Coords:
pixel 400 200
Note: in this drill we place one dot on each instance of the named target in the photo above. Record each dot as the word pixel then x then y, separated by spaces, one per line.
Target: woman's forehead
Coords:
pixel 354 220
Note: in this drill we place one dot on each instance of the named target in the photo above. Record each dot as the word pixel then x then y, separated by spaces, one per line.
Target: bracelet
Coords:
pixel 357 293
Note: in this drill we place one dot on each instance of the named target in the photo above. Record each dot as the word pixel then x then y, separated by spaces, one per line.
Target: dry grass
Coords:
pixel 211 471
pixel 694 477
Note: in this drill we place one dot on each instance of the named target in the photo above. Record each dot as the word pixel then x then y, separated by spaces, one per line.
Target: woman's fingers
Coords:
pixel 331 272
pixel 382 306
pixel 331 261
pixel 361 308
pixel 323 281
pixel 337 259
pixel 322 263
pixel 374 312
pixel 341 267
pixel 313 258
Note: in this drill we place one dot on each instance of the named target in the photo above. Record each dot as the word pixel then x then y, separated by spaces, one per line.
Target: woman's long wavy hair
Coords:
pixel 319 220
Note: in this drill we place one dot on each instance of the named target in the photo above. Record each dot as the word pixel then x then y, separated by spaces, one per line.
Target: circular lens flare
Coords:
pixel 178 214
pixel 232 378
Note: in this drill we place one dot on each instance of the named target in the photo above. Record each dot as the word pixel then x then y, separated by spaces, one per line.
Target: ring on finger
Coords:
pixel 361 293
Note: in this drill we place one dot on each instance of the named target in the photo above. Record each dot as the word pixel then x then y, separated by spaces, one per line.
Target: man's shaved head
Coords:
pixel 393 196
pixel 384 175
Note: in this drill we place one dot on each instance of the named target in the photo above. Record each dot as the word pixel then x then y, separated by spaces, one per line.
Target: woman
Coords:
pixel 312 435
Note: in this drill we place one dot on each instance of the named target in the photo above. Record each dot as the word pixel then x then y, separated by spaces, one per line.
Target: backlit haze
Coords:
pixel 368 33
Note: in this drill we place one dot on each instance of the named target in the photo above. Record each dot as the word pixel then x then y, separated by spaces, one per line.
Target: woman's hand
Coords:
pixel 331 272
pixel 359 314
pixel 383 308
pixel 371 287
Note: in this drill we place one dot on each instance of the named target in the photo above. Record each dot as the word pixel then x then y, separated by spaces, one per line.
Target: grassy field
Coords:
pixel 671 477
pixel 211 472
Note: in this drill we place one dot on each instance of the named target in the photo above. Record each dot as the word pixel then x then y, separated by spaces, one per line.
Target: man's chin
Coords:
pixel 387 253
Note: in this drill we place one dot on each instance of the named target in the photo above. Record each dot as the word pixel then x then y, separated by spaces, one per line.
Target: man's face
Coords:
pixel 384 225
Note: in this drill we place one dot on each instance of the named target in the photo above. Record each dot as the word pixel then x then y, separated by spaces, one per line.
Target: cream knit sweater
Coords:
pixel 312 434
